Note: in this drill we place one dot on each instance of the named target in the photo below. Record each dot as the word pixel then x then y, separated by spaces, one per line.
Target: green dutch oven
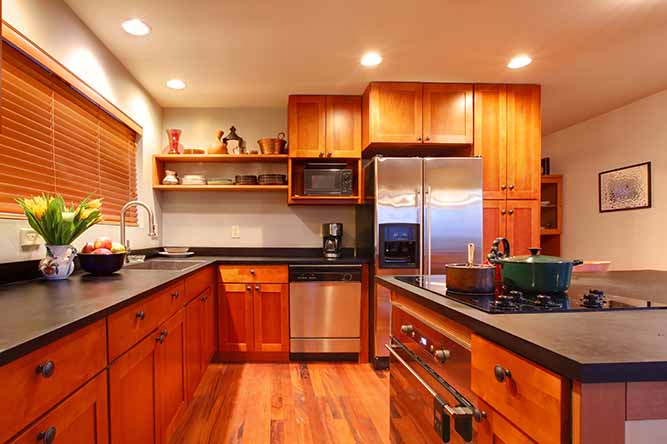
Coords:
pixel 534 273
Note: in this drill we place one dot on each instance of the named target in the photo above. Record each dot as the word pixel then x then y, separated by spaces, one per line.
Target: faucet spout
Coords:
pixel 152 228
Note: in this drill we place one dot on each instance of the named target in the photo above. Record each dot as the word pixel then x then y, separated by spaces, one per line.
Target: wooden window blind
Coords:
pixel 55 140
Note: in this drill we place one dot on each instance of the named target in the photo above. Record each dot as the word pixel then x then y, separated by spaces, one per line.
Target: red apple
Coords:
pixel 102 251
pixel 103 242
pixel 88 248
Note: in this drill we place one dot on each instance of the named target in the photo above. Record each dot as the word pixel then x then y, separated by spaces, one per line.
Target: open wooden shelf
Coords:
pixel 220 187
pixel 221 157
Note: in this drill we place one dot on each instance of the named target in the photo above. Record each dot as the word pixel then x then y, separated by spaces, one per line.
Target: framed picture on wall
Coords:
pixel 627 188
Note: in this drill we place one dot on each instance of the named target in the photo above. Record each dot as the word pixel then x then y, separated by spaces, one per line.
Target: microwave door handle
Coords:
pixel 420 220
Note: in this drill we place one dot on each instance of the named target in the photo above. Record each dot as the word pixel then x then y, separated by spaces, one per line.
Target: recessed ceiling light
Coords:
pixel 519 62
pixel 371 59
pixel 176 84
pixel 136 26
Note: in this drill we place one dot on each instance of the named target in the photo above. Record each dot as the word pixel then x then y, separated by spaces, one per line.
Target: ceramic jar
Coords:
pixel 58 263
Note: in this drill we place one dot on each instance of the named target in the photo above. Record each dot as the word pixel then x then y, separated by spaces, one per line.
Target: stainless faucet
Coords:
pixel 151 221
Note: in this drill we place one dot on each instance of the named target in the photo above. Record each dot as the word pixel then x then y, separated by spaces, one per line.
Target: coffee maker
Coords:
pixel 332 240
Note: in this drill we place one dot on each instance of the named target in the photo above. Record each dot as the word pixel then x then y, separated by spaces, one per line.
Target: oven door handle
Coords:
pixel 412 372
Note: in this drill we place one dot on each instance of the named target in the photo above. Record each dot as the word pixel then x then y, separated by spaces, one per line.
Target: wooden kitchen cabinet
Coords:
pixel 447 113
pixel 516 220
pixel 194 345
pixel 491 138
pixel 306 116
pixel 80 419
pixel 343 130
pixel 495 429
pixel 253 316
pixel 209 342
pixel 392 113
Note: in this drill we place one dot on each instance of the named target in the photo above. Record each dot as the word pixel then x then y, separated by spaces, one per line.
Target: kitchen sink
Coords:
pixel 164 265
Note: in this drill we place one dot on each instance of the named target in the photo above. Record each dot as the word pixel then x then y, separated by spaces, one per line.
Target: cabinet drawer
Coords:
pixel 198 282
pixel 266 274
pixel 531 397
pixel 36 382
pixel 133 323
pixel 82 418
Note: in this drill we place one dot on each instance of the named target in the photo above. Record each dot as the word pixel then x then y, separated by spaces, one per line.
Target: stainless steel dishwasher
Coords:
pixel 325 308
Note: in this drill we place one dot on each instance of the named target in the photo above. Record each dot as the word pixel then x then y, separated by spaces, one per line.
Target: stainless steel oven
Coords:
pixel 430 396
pixel 327 179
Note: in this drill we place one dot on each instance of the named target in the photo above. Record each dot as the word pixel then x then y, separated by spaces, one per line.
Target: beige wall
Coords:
pixel 264 218
pixel 53 26
pixel 632 134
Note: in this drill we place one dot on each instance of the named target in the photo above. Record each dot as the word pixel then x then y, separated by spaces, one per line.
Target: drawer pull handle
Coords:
pixel 441 355
pixel 140 315
pixel 47 437
pixel 47 369
pixel 175 294
pixel 501 373
pixel 407 329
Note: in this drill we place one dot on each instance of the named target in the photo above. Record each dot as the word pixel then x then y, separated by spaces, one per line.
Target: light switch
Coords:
pixel 236 232
pixel 29 237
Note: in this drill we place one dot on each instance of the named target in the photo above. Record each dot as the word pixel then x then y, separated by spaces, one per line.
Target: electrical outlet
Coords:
pixel 236 232
pixel 29 237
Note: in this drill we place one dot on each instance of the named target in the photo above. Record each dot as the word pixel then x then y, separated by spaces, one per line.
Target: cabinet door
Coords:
pixel 194 344
pixel 80 419
pixel 271 307
pixel 343 126
pixel 170 393
pixel 523 225
pixel 235 317
pixel 132 394
pixel 448 113
pixel 395 112
pixel 495 429
pixel 524 138
pixel 306 117
pixel 495 223
pixel 491 137
pixel 210 334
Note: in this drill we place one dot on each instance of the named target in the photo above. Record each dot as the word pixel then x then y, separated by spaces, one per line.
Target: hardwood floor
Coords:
pixel 295 403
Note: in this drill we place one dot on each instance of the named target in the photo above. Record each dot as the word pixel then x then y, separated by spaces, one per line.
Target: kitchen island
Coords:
pixel 604 374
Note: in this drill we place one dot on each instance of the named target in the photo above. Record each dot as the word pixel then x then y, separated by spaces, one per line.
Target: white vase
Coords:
pixel 58 263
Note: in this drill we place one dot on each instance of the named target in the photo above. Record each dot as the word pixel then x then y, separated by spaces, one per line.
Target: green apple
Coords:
pixel 117 248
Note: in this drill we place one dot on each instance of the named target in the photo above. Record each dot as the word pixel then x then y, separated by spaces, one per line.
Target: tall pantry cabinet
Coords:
pixel 507 135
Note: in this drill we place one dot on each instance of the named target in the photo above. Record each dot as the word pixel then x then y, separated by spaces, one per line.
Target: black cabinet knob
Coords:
pixel 140 315
pixel 163 335
pixel 47 369
pixel 175 294
pixel 428 138
pixel 252 271
pixel 48 436
pixel 419 139
pixel 257 287
pixel 511 212
pixel 511 187
pixel 501 373
pixel 248 288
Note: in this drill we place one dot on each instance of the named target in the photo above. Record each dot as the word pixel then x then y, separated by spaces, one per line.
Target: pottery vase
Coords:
pixel 58 263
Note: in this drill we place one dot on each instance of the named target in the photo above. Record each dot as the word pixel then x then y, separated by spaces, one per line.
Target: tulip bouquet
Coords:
pixel 58 223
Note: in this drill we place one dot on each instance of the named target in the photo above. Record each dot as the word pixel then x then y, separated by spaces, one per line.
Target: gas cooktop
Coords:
pixel 517 302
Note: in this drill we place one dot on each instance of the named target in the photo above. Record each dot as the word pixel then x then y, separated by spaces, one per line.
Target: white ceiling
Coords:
pixel 590 55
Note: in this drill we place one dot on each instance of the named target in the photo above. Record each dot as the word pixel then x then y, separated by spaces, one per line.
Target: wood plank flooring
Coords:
pixel 295 403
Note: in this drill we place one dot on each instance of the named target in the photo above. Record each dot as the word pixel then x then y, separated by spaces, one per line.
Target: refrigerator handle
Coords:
pixel 428 230
pixel 420 220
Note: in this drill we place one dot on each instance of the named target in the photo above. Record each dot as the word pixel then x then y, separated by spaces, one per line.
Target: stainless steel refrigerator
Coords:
pixel 420 214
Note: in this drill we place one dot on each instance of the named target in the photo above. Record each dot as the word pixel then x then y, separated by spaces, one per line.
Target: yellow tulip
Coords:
pixel 95 203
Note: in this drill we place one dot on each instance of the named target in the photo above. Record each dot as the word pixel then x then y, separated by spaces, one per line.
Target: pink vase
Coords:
pixel 174 141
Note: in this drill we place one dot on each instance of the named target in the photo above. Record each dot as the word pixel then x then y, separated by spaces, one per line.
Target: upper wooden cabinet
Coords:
pixel 516 220
pixel 306 117
pixel 447 113
pixel 392 113
pixel 324 126
pixel 508 137
pixel 402 113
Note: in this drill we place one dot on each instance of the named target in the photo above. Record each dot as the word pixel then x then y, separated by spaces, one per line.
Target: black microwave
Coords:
pixel 327 179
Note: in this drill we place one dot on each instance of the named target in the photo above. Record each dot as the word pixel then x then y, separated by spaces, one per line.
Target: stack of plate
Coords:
pixel 246 180
pixel 272 179
pixel 220 181
pixel 193 179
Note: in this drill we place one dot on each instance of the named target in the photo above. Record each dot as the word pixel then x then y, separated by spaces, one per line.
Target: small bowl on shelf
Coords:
pixel 176 250
pixel 102 264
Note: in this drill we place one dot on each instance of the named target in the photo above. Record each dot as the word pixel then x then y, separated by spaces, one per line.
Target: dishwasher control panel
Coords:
pixel 324 273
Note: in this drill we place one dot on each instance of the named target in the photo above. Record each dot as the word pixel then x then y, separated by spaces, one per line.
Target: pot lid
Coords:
pixel 536 258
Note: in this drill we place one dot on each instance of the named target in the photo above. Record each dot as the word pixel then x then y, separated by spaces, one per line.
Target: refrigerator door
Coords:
pixel 398 200
pixel 452 211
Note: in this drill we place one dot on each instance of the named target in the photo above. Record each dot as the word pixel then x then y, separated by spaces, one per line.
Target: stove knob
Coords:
pixel 441 355
pixel 407 329
pixel 347 277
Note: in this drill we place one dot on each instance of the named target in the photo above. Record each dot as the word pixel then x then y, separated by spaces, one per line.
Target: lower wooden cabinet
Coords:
pixel 199 338
pixel 81 419
pixel 147 385
pixel 516 220
pixel 254 321
pixel 495 429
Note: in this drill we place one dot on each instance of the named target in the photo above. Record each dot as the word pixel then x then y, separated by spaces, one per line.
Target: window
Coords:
pixel 54 140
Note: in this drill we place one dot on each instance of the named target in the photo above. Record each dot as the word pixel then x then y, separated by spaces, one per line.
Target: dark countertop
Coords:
pixel 34 313
pixel 611 346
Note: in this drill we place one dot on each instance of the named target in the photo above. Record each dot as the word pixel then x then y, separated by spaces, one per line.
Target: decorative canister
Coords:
pixel 170 178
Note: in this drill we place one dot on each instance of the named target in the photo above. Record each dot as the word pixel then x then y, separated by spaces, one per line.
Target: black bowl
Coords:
pixel 102 264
